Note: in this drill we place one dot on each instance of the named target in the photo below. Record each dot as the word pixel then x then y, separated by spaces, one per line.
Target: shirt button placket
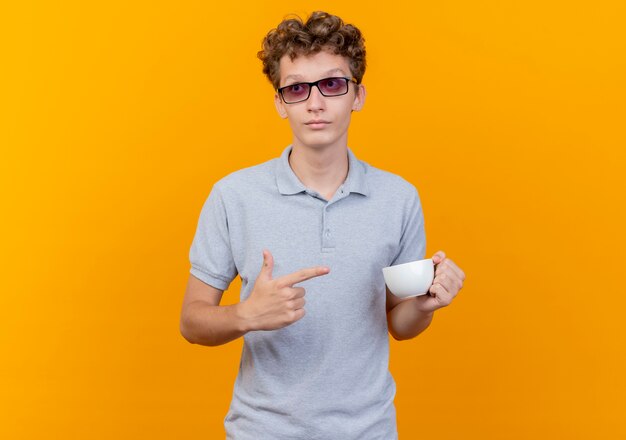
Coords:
pixel 327 235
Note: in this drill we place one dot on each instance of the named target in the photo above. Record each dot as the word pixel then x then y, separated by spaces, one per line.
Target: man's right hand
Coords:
pixel 275 303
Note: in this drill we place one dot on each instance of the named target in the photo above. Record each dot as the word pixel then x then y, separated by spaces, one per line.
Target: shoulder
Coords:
pixel 391 184
pixel 247 180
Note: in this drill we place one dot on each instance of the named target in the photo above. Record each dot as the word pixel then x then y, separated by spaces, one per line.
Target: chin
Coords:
pixel 318 141
pixel 318 145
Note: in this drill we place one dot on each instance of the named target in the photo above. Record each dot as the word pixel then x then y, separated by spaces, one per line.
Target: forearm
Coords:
pixel 405 321
pixel 210 325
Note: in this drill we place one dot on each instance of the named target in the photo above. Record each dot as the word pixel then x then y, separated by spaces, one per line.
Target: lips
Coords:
pixel 317 123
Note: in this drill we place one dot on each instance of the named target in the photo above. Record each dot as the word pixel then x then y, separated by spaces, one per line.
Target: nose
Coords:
pixel 316 100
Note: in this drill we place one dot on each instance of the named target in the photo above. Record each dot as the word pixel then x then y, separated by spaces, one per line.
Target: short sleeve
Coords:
pixel 211 254
pixel 413 238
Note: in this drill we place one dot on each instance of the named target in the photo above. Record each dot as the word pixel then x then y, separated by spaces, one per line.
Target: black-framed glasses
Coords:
pixel 333 86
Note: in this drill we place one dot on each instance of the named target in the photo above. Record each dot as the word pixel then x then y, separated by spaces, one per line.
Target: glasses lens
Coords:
pixel 334 86
pixel 295 92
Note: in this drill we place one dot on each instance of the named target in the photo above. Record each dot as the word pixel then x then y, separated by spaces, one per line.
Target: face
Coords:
pixel 335 111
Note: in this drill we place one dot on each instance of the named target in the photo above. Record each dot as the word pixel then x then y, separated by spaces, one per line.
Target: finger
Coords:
pixel 298 292
pixel 455 269
pixel 443 296
pixel 448 281
pixel 440 268
pixel 298 314
pixel 432 290
pixel 298 303
pixel 438 257
pixel 302 275
pixel 268 265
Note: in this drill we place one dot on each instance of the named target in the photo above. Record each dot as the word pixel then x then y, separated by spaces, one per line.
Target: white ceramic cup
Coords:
pixel 410 279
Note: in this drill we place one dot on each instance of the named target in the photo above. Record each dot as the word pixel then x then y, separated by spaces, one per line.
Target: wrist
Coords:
pixel 427 311
pixel 242 317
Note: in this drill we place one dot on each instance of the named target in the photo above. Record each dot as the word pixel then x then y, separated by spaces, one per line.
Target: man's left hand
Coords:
pixel 447 282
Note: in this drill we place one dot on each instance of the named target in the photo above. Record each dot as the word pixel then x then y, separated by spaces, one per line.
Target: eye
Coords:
pixel 296 88
pixel 331 83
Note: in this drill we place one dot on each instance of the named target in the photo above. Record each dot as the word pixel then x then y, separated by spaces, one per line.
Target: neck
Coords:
pixel 320 169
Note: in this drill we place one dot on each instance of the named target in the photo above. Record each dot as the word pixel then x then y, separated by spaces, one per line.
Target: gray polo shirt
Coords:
pixel 326 376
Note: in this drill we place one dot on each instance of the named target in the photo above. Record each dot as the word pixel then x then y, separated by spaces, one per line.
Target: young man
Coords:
pixel 315 217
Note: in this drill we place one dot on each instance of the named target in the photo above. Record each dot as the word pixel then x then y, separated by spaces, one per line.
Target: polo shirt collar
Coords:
pixel 288 183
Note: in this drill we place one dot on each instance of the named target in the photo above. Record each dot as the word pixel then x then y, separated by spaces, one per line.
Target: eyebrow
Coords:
pixel 297 77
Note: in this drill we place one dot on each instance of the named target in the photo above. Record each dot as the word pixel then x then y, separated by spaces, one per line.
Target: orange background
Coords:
pixel 118 117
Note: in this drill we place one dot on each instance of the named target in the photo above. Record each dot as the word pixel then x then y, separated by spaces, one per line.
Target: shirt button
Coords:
pixel 328 232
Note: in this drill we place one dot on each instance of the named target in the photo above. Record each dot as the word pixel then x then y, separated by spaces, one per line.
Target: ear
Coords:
pixel 359 99
pixel 280 106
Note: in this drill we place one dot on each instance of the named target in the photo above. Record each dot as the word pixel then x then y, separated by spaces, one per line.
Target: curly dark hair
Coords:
pixel 321 31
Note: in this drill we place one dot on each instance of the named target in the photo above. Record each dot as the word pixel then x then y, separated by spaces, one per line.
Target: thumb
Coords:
pixel 438 257
pixel 268 265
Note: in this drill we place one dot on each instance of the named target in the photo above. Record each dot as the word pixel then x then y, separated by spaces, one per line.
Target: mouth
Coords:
pixel 317 124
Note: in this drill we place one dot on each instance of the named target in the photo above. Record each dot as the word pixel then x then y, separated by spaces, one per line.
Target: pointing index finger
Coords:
pixel 302 275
